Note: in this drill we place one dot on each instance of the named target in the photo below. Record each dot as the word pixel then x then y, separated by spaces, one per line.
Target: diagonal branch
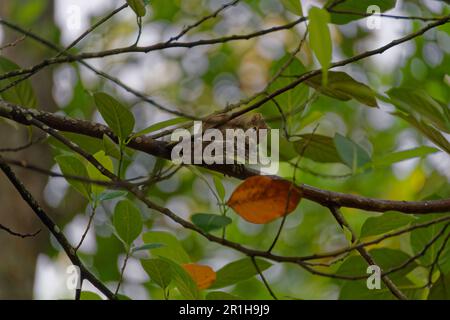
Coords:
pixel 365 254
pixel 163 150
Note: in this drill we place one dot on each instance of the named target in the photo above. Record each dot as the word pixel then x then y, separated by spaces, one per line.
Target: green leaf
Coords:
pixel 353 155
pixel 127 221
pixel 357 290
pixel 209 222
pixel 358 6
pixel 320 39
pixel 440 290
pixel 399 156
pixel 219 187
pixel 158 166
pixel 429 131
pixel 419 238
pixel 220 295
pixel 89 144
pixel 159 271
pixel 287 149
pixel 420 105
pixel 159 126
pixel 343 87
pixel 237 271
pixel 386 222
pixel 88 295
pixel 294 6
pixel 95 174
pixel 138 7
pixel 183 281
pixel 71 165
pixel 118 118
pixel 110 147
pixel 385 258
pixel 22 93
pixel 148 246
pixel 444 259
pixel 318 148
pixel 111 195
pixel 172 249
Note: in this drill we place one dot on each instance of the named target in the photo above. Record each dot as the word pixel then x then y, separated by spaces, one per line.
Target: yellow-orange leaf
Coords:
pixel 261 199
pixel 204 276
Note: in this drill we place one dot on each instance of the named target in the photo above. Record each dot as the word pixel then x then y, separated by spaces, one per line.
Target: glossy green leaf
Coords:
pixel 183 281
pixel 105 196
pixel 343 87
pixel 89 144
pixel 237 271
pixel 118 118
pixel 318 148
pixel 420 105
pixel 385 258
pixel 287 149
pixel 351 154
pixel 159 271
pixel 440 289
pixel 159 126
pixel 294 6
pixel 127 221
pixel 95 174
pixel 138 7
pixel 219 187
pixel 357 290
pixel 430 132
pixel 421 237
pixel 172 249
pixel 403 155
pixel 88 295
pixel 444 259
pixel 22 93
pixel 386 222
pixel 110 147
pixel 320 39
pixel 147 246
pixel 72 166
pixel 210 222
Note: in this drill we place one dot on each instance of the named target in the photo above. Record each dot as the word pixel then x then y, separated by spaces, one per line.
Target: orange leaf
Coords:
pixel 204 276
pixel 261 199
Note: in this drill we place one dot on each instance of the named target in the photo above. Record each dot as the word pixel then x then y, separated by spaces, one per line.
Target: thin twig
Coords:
pixel 202 20
pixel 122 270
pixel 13 44
pixel 91 218
pixel 16 234
pixel 266 284
pixel 365 254
pixel 23 147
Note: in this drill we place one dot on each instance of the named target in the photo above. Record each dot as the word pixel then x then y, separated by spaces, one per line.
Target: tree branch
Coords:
pixel 162 149
pixel 16 234
pixel 365 254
